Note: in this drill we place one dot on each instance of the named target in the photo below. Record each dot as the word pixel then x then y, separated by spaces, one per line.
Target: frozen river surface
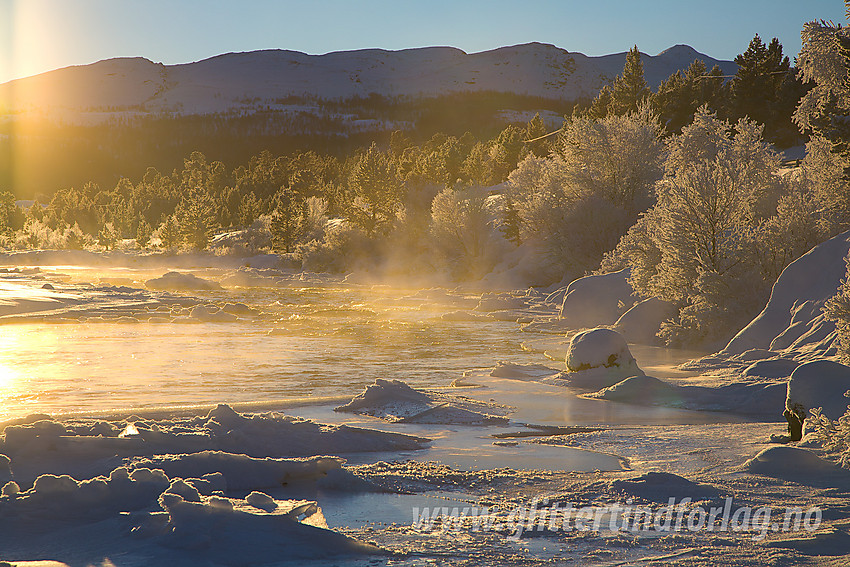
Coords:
pixel 89 346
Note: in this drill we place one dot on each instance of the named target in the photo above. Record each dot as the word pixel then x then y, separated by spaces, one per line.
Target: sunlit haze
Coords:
pixel 41 35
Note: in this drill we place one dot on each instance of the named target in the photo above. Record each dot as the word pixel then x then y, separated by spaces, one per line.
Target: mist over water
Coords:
pixel 303 341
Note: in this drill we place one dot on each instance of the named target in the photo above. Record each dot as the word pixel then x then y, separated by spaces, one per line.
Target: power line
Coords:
pixel 543 136
pixel 733 76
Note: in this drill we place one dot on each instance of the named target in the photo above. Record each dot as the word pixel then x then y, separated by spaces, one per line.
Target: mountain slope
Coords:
pixel 246 82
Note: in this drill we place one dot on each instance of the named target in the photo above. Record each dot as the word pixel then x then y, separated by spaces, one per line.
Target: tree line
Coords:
pixel 682 186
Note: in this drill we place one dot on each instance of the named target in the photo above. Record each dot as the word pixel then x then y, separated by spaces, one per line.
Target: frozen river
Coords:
pixel 103 347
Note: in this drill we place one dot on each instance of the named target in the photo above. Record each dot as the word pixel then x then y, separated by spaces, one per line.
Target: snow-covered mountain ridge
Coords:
pixel 264 80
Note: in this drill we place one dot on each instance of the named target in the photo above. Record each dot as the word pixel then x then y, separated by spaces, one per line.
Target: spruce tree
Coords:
pixel 535 130
pixel 627 91
pixel 287 221
pixel 630 88
pixel 377 193
pixel 143 233
pixel 765 90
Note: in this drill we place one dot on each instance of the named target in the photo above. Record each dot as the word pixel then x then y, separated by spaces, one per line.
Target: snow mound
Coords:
pixel 641 323
pixel 661 486
pixel 599 357
pixel 237 532
pixel 521 371
pixel 63 497
pixel 818 384
pixel 253 277
pixel 771 368
pixel 90 448
pixel 395 401
pixel 755 399
pixel 597 300
pixel 643 390
pixel 792 318
pixel 241 472
pixel 177 281
pixel 794 464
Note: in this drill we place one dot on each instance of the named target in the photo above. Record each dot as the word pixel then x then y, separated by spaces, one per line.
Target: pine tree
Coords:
pixel 108 236
pixel 601 105
pixel 678 98
pixel 143 233
pixel 764 88
pixel 249 210
pixel 377 193
pixel 195 216
pixel 169 233
pixel 288 219
pixel 534 130
pixel 626 93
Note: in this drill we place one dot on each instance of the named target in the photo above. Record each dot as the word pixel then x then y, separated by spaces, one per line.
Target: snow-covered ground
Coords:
pixel 361 420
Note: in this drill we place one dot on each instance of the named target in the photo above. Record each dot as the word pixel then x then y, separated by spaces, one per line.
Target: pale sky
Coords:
pixel 40 35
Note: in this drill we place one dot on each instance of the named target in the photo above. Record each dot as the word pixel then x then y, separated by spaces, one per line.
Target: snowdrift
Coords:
pixel 792 321
pixel 596 300
pixel 41 445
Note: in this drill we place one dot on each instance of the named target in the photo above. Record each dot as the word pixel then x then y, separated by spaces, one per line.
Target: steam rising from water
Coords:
pixel 321 339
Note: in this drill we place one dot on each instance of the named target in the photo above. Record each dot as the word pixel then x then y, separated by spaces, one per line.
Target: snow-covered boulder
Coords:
pixel 641 323
pixel 597 300
pixel 177 281
pixel 792 318
pixel 599 357
pixel 818 384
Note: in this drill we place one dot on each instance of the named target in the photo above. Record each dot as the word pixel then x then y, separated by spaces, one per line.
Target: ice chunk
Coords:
pixel 63 497
pixel 395 401
pixel 463 316
pixel 499 302
pixel 187 491
pixel 238 309
pixel 262 501
pixel 644 390
pixel 211 314
pixel 521 371
pixel 240 533
pixel 176 281
pixel 247 473
pixel 52 447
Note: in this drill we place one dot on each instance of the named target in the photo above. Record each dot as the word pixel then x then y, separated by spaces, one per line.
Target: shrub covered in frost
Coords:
pixel 834 435
pixel 577 203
